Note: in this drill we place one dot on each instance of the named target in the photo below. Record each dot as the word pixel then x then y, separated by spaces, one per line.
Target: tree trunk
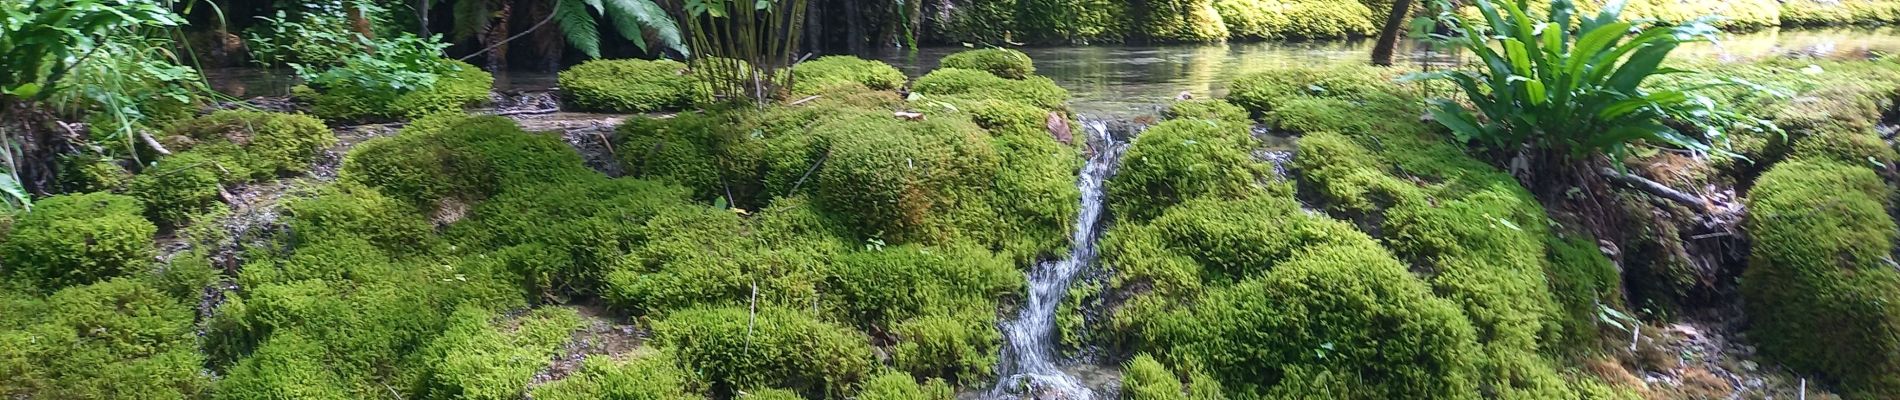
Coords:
pixel 1389 34
pixel 854 26
pixel 497 35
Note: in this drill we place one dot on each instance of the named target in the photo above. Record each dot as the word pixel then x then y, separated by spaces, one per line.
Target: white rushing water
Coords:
pixel 1026 367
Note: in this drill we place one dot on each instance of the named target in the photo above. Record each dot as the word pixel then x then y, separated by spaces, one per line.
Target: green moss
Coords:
pixel 1181 21
pixel 1348 177
pixel 1007 63
pixel 902 282
pixel 628 85
pixel 1734 14
pixel 564 236
pixel 465 87
pixel 473 360
pixel 768 394
pixel 1815 13
pixel 1582 279
pixel 1821 233
pixel 266 144
pixel 891 178
pixel 1035 195
pixel 952 82
pixel 1329 19
pixel 465 162
pixel 287 366
pixel 114 339
pixel 715 153
pixel 650 375
pixel 81 174
pixel 79 238
pixel 348 210
pixel 1850 147
pixel 1234 240
pixel 1146 379
pixel 1262 92
pixel 1182 159
pixel 896 385
pixel 811 76
pixel 1208 109
pixel 959 347
pixel 776 347
pixel 182 186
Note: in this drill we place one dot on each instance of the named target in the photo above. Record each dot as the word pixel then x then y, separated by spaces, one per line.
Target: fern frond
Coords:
pixel 634 17
pixel 578 25
pixel 471 19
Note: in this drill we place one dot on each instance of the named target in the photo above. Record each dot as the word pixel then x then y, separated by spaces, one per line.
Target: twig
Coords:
pixel 534 111
pixel 1655 188
pixel 1636 336
pixel 153 142
pixel 606 143
pixel 751 316
pixel 1710 235
pixel 803 100
pixel 808 171
pixel 1804 390
pixel 537 25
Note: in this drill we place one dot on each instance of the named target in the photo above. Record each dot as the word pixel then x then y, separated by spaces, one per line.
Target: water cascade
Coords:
pixel 1027 366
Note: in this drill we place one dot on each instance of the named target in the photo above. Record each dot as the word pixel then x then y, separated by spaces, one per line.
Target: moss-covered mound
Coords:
pixel 827 73
pixel 1180 21
pixel 1816 13
pixel 459 159
pixel 115 339
pixel 734 350
pixel 1821 237
pixel 78 239
pixel 474 360
pixel 628 85
pixel 262 144
pixel 466 86
pixel 182 186
pixel 1277 19
pixel 975 84
pixel 1184 159
pixel 1007 63
pixel 1208 109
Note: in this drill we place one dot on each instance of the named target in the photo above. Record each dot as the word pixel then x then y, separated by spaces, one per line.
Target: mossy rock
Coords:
pixel 628 85
pixel 466 86
pixel 959 347
pixel 1144 378
pixel 1262 92
pixel 565 235
pixel 349 210
pixel 891 178
pixel 1181 21
pixel 954 82
pixel 462 160
pixel 896 385
pixel 734 349
pixel 80 174
pixel 652 374
pixel 1822 236
pixel 1007 63
pixel 1208 109
pixel 473 359
pixel 825 73
pixel 114 339
pixel 714 153
pixel 286 365
pixel 1182 159
pixel 266 144
pixel 77 239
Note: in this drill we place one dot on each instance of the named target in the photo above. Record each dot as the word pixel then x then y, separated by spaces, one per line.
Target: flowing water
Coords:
pixel 1027 367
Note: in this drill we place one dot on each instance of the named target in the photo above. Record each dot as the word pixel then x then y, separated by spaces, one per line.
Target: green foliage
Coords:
pixel 318 34
pixel 1146 379
pixel 356 90
pixel 264 143
pixel 81 174
pixel 1815 13
pixel 1180 21
pixel 896 385
pixel 1821 233
pixel 1277 19
pixel 183 186
pixel 952 82
pixel 960 347
pixel 348 210
pixel 633 18
pixel 1580 101
pixel 1208 109
pixel 628 85
pixel 1583 281
pixel 565 235
pixel 48 36
pixel 1007 63
pixel 115 339
pixel 462 160
pixel 890 178
pixel 713 153
pixel 776 347
pixel 286 366
pixel 1265 92
pixel 649 376
pixel 473 360
pixel 79 238
pixel 816 76
pixel 1183 159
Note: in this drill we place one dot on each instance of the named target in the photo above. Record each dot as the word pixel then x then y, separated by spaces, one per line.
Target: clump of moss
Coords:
pixel 1181 21
pixel 115 339
pixel 1146 379
pixel 1821 233
pixel 465 86
pixel 953 82
pixel 80 174
pixel 265 144
pixel 565 235
pixel 1208 109
pixel 889 177
pixel 1845 12
pixel 775 347
pixel 960 347
pixel 474 360
pixel 463 161
pixel 653 375
pixel 1582 279
pixel 1007 63
pixel 712 153
pixel 182 186
pixel 1262 92
pixel 348 210
pixel 811 77
pixel 1850 147
pixel 628 85
pixel 286 365
pixel 895 385
pixel 1182 159
pixel 78 239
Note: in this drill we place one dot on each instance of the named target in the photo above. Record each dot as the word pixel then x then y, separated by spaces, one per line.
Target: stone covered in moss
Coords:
pixel 734 349
pixel 473 359
pixel 628 85
pixel 351 211
pixel 266 144
pixel 289 366
pixel 816 76
pixel 1267 19
pixel 653 375
pixel 182 186
pixel 1037 91
pixel 466 86
pixel 115 339
pixel 1179 160
pixel 1262 92
pixel 1821 236
pixel 1007 63
pixel 900 386
pixel 80 174
pixel 461 160
pixel 79 238
pixel 1146 379
pixel 1208 109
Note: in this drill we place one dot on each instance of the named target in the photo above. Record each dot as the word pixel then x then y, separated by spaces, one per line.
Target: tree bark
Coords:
pixel 1389 34
pixel 854 26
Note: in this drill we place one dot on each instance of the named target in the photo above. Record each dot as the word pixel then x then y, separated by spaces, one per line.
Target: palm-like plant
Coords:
pixel 1574 84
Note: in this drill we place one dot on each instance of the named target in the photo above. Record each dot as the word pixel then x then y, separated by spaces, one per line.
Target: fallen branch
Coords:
pixel 1655 188
pixel 536 111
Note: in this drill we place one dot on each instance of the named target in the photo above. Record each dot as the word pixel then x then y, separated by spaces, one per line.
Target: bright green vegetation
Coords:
pixel 1005 63
pixel 1280 19
pixel 78 239
pixel 454 86
pixel 775 348
pixel 649 376
pixel 900 386
pixel 117 338
pixel 826 73
pixel 1181 21
pixel 1821 234
pixel 473 360
pixel 1809 12
pixel 628 85
pixel 225 147
pixel 1184 159
pixel 975 84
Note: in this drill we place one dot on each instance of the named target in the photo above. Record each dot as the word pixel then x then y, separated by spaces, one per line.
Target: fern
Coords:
pixel 471 19
pixel 578 25
pixel 631 17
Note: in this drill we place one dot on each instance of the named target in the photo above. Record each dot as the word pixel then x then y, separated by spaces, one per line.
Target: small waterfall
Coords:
pixel 1027 359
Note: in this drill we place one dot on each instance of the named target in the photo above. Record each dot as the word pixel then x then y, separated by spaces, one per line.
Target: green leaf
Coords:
pixel 578 26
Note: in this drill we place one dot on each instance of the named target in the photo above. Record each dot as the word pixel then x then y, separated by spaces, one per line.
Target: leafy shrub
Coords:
pixel 1329 19
pixel 1147 379
pixel 118 338
pixel 473 360
pixel 1820 233
pixel 1565 101
pixel 733 349
pixel 647 376
pixel 1007 63
pixel 1252 19
pixel 79 238
pixel 628 85
pixel 900 386
pixel 1179 160
pixel 1208 109
pixel 266 144
pixel 1744 14
pixel 1813 13
pixel 1181 21
pixel 351 93
pixel 1037 91
pixel 812 76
